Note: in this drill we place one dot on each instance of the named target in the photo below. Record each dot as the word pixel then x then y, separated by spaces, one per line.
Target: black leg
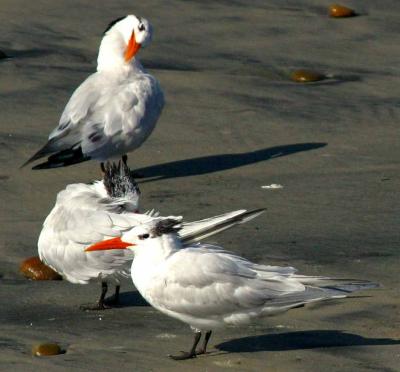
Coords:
pixel 203 349
pixel 104 288
pixel 125 159
pixel 103 168
pixel 100 304
pixel 192 353
pixel 114 300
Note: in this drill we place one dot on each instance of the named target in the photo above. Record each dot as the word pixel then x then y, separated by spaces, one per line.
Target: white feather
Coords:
pixel 85 214
pixel 208 288
pixel 116 108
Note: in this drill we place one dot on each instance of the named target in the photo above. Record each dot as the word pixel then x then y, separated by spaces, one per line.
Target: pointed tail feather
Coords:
pixel 47 149
pixel 336 283
pixel 63 159
pixel 312 294
pixel 196 231
pixel 353 286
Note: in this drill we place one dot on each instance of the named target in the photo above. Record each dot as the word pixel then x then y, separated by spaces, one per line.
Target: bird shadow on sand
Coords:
pixel 131 299
pixel 300 341
pixel 215 163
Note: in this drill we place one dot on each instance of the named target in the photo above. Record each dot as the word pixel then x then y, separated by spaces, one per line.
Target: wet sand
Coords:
pixel 233 122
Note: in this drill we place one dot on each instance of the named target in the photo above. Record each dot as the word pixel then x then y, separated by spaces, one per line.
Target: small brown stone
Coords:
pixel 306 76
pixel 46 349
pixel 340 11
pixel 33 268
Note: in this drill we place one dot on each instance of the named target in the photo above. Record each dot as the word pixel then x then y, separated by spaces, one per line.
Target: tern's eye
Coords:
pixel 141 27
pixel 143 236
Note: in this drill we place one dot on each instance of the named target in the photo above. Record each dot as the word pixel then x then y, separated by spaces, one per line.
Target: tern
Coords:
pixel 208 288
pixel 86 213
pixel 115 109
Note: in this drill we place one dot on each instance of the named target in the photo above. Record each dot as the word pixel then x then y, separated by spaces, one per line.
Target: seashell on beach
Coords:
pixel 306 76
pixel 33 268
pixel 340 11
pixel 46 349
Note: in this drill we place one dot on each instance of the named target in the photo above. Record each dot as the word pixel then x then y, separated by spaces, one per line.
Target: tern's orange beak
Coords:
pixel 115 243
pixel 132 48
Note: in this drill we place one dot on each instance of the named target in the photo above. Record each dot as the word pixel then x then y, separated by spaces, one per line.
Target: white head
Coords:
pixel 122 40
pixel 148 234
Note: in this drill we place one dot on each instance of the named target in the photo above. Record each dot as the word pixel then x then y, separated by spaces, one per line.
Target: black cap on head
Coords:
pixel 112 23
pixel 166 226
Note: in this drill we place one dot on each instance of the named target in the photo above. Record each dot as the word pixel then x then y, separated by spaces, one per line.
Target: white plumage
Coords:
pixel 208 288
pixel 115 109
pixel 82 215
pixel 87 213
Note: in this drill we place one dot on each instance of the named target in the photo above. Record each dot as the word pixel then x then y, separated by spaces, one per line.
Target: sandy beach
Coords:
pixel 233 122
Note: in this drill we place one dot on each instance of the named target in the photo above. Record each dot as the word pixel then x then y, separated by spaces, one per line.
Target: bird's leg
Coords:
pixel 103 169
pixel 114 300
pixel 192 353
pixel 125 159
pixel 203 349
pixel 100 304
pixel 104 288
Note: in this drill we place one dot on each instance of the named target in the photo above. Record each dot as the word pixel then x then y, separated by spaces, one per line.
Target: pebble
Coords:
pixel 340 11
pixel 46 349
pixel 306 76
pixel 33 268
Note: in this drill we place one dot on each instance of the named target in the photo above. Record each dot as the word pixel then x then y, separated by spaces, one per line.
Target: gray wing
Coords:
pixel 218 282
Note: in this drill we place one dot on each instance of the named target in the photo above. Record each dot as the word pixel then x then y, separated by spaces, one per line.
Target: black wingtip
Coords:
pixel 39 154
pixel 63 159
pixel 48 165
pixel 255 211
pixel 248 216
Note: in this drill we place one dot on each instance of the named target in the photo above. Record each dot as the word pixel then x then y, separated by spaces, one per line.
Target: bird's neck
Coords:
pixel 120 67
pixel 149 260
pixel 111 57
pixel 156 253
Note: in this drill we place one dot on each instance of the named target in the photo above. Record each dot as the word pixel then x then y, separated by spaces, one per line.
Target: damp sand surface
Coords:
pixel 233 122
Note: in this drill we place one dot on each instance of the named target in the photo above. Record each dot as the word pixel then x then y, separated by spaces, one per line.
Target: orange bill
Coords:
pixel 132 48
pixel 115 243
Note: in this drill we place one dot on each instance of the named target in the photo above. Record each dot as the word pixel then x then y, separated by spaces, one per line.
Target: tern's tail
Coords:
pixel 196 231
pixel 316 289
pixel 44 151
pixel 58 159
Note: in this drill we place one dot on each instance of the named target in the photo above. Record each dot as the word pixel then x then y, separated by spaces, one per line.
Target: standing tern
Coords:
pixel 115 109
pixel 84 214
pixel 208 287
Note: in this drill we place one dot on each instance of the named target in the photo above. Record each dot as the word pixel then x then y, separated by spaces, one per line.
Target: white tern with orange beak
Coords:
pixel 208 287
pixel 115 109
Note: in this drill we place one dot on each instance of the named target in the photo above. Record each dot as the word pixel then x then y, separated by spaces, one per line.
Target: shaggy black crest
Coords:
pixel 118 180
pixel 167 226
pixel 112 23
